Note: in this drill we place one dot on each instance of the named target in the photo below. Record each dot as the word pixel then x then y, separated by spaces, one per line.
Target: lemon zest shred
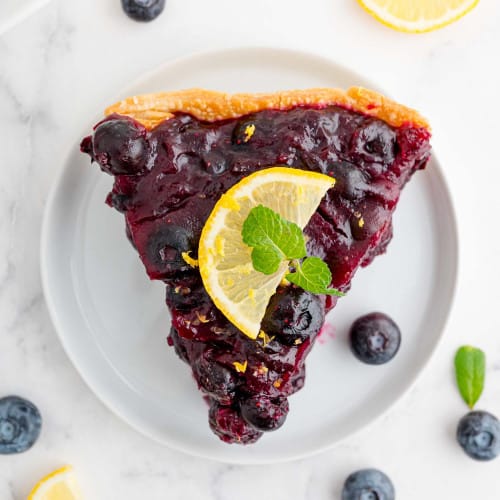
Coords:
pixel 266 339
pixel 249 131
pixel 241 367
pixel 202 317
pixel 189 260
pixel 262 369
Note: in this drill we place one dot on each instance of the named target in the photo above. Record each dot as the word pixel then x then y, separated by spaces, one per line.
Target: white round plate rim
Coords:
pixel 114 404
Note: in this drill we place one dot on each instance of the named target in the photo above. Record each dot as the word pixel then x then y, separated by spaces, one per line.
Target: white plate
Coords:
pixel 113 323
pixel 14 11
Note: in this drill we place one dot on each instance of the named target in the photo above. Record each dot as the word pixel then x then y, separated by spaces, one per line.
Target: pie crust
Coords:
pixel 211 106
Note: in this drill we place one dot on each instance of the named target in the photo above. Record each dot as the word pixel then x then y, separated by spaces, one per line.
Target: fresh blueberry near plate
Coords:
pixel 375 338
pixel 143 10
pixel 478 433
pixel 20 424
pixel 368 484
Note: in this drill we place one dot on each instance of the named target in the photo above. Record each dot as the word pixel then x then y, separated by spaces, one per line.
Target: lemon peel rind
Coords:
pixel 397 24
pixel 39 487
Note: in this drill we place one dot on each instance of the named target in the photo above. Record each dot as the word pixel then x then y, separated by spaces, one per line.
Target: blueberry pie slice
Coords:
pixel 174 155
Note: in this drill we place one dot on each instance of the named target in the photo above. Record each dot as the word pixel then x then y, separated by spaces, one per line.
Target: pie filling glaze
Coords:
pixel 174 155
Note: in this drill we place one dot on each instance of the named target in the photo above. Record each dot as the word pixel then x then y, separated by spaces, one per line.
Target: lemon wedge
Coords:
pixel 417 16
pixel 59 485
pixel 239 291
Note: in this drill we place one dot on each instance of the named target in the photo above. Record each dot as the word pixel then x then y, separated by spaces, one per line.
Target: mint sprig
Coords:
pixel 470 363
pixel 314 276
pixel 274 240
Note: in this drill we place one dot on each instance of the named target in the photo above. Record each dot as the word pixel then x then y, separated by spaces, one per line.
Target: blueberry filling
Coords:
pixel 167 181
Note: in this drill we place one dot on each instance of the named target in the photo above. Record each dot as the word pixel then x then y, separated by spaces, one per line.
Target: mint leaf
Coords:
pixel 265 229
pixel 275 240
pixel 266 260
pixel 314 276
pixel 470 363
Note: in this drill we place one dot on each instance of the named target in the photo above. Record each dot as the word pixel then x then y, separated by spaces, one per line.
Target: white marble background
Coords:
pixel 67 61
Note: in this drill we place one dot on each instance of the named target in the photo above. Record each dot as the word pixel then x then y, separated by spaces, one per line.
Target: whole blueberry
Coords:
pixel 264 413
pixel 375 141
pixel 368 484
pixel 293 315
pixel 375 338
pixel 120 146
pixel 229 426
pixel 186 294
pixel 350 181
pixel 20 424
pixel 478 433
pixel 213 378
pixel 244 131
pixel 143 10
pixel 164 249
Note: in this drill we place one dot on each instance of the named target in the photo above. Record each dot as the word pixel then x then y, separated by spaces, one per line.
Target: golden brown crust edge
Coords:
pixel 209 105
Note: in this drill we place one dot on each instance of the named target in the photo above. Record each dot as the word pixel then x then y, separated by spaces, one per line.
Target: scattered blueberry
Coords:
pixel 120 146
pixel 375 338
pixel 143 10
pixel 263 413
pixel 478 433
pixel 293 315
pixel 368 484
pixel 20 424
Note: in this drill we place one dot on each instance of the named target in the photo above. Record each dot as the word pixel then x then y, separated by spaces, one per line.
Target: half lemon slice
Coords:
pixel 239 291
pixel 60 485
pixel 417 16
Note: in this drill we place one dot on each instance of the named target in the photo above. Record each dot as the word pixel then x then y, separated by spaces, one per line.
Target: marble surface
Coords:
pixel 66 62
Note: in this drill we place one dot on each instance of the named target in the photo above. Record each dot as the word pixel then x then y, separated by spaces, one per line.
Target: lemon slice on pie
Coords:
pixel 239 291
pixel 59 485
pixel 417 16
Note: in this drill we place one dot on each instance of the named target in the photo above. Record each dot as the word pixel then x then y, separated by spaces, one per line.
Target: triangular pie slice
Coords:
pixel 174 154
